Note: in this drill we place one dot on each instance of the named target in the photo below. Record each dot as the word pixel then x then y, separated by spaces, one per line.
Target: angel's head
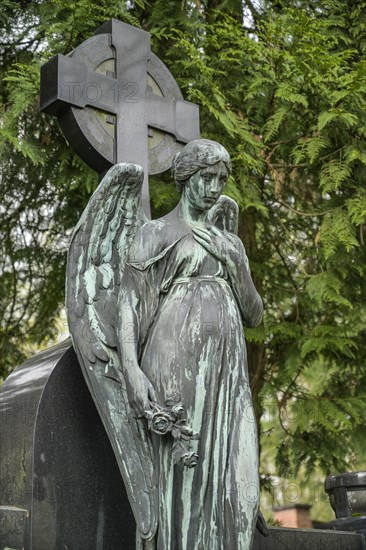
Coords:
pixel 195 156
pixel 201 170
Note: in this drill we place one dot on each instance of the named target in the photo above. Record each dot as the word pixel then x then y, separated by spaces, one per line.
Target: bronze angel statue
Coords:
pixel 156 310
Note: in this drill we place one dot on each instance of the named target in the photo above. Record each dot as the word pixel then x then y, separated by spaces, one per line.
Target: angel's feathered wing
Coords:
pixel 96 261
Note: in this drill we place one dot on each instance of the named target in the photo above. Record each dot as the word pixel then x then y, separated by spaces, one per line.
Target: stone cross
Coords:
pixel 117 102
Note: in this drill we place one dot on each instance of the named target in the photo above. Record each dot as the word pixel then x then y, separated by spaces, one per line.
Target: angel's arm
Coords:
pixel 136 305
pixel 229 249
pixel 225 216
pixel 130 317
pixel 247 297
pixel 129 307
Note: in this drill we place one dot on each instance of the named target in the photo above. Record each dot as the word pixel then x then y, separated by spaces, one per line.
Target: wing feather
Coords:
pixel 96 261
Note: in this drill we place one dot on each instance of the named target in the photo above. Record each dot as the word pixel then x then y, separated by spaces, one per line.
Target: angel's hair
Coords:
pixel 196 155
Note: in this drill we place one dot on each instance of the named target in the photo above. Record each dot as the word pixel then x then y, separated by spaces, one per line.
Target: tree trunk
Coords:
pixel 256 352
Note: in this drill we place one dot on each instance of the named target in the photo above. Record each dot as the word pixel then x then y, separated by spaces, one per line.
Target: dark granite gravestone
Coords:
pixel 60 487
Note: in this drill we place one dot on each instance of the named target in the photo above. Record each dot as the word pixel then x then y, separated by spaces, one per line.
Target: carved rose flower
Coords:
pixel 161 423
pixel 178 410
pixel 170 418
pixel 190 460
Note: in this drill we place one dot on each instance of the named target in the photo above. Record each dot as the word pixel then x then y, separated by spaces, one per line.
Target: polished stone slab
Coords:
pixel 59 480
pixel 281 538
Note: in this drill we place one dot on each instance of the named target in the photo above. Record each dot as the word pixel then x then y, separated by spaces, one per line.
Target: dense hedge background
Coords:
pixel 282 86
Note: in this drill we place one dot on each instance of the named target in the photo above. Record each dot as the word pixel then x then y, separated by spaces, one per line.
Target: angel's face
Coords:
pixel 205 187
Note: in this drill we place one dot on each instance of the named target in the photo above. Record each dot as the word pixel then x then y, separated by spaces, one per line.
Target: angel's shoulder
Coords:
pixel 152 231
pixel 239 245
pixel 149 240
pixel 236 241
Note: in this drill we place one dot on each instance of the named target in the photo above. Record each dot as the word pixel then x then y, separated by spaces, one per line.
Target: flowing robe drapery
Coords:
pixel 185 319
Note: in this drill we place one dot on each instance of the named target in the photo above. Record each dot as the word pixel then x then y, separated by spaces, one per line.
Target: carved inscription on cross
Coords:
pixel 117 102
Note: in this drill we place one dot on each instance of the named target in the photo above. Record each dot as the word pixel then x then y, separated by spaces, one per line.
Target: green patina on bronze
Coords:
pixel 156 310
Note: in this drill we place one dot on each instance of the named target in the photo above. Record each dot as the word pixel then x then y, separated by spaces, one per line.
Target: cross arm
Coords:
pixel 68 81
pixel 177 117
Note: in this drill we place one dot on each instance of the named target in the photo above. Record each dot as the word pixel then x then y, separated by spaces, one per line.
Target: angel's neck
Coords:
pixel 190 214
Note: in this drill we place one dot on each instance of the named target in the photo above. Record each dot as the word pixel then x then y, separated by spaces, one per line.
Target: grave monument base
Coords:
pixel 60 484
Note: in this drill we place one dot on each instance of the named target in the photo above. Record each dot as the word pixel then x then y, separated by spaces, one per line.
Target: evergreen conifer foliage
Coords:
pixel 282 87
